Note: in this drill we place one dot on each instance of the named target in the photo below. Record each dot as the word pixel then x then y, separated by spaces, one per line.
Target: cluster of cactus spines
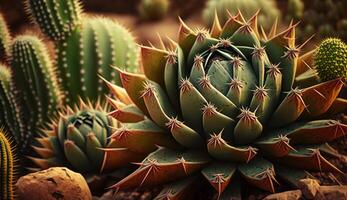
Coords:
pixel 11 117
pixel 91 51
pixel 59 20
pixel 5 39
pixel 89 47
pixel 153 9
pixel 223 103
pixel 269 10
pixel 33 76
pixel 330 60
pixel 7 160
pixel 77 139
pixel 295 9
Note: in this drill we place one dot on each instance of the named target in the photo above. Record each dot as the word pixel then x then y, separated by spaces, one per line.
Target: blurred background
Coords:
pixel 145 18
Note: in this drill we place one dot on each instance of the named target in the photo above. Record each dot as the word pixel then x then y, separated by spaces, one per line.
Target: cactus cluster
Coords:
pixel 7 160
pixel 331 59
pixel 153 9
pixel 324 18
pixel 78 139
pixel 85 47
pixel 28 88
pixel 223 106
pixel 269 11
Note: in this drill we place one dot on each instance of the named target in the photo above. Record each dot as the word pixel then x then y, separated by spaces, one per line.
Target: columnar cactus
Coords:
pixel 86 47
pixel 91 51
pixel 5 39
pixel 153 9
pixel 269 10
pixel 331 59
pixel 11 117
pixel 56 19
pixel 6 168
pixel 224 103
pixel 77 139
pixel 34 80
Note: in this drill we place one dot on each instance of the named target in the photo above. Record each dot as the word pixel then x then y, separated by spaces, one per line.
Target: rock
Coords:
pixel 289 195
pixel 331 193
pixel 57 183
pixel 308 187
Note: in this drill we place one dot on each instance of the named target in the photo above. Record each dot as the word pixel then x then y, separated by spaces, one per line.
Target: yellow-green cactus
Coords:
pixel 7 160
pixel 331 59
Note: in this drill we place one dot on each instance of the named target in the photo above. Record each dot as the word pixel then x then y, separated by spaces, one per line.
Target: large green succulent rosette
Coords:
pixel 225 106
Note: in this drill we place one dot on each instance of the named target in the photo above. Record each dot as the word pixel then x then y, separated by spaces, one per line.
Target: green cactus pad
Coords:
pixel 331 59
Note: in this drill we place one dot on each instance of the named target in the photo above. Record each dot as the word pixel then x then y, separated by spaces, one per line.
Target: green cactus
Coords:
pixel 33 76
pixel 56 19
pixel 90 51
pixel 89 47
pixel 295 9
pixel 331 59
pixel 11 116
pixel 153 9
pixel 5 39
pixel 324 17
pixel 223 102
pixel 77 139
pixel 6 168
pixel 269 10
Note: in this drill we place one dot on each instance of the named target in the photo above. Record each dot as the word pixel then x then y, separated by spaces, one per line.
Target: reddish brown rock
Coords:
pixel 289 195
pixel 332 193
pixel 53 184
pixel 309 187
